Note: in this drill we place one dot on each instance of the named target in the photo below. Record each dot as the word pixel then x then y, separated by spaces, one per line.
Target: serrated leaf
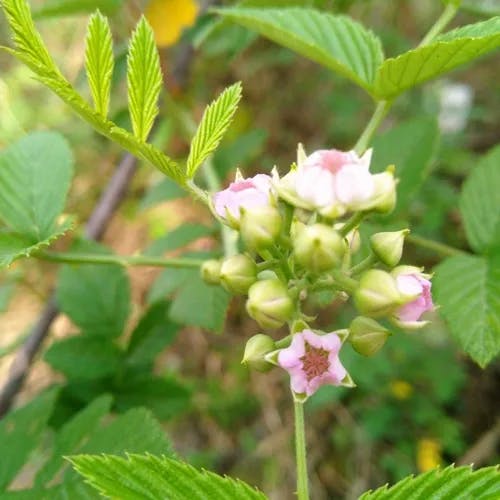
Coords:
pixel 84 357
pixel 144 79
pixel 447 52
pixel 410 146
pixel 479 203
pixel 35 173
pixel 60 8
pixel 149 477
pixel 214 123
pixel 337 42
pixel 451 483
pixel 20 432
pixel 468 290
pixel 95 297
pixel 14 246
pixel 99 61
pixel 71 437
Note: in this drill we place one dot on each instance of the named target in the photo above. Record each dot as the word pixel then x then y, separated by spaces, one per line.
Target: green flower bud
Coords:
pixel 260 226
pixel 318 248
pixel 367 336
pixel 255 350
pixel 210 271
pixel 388 247
pixel 269 303
pixel 377 294
pixel 238 273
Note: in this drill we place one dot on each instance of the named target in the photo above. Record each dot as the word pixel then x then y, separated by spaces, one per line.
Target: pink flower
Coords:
pixel 242 193
pixel 335 181
pixel 411 283
pixel 312 361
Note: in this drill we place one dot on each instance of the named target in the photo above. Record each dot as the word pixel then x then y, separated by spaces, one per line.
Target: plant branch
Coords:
pixel 435 246
pixel 122 260
pixel 447 15
pixel 300 452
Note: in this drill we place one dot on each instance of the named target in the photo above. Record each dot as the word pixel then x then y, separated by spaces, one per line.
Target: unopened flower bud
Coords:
pixel 255 350
pixel 238 273
pixel 210 271
pixel 260 227
pixel 384 199
pixel 318 248
pixel 367 336
pixel 269 303
pixel 377 293
pixel 388 247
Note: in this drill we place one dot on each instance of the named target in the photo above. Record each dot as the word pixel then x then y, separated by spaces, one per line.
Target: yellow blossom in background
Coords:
pixel 401 389
pixel 169 18
pixel 428 454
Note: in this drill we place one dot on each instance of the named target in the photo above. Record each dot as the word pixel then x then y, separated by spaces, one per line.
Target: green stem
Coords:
pixel 300 453
pixel 125 260
pixel 364 264
pixel 435 246
pixel 351 223
pixel 447 15
pixel 347 284
pixel 366 136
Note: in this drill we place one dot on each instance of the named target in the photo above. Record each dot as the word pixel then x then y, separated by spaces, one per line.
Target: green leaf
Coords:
pixel 14 246
pixel 166 397
pixel 95 297
pixel 479 203
pixel 71 437
pixel 20 432
pixel 337 42
pixel 446 53
pixel 411 146
pixel 99 61
pixel 84 357
pixel 59 8
pixel 149 477
pixel 178 238
pixel 214 123
pixel 35 173
pixel 152 334
pixel 144 79
pixel 451 483
pixel 468 290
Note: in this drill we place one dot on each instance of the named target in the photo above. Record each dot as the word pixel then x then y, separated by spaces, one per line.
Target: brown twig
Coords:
pixel 483 449
pixel 94 229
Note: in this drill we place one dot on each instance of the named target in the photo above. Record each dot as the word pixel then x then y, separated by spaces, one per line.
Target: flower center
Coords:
pixel 314 362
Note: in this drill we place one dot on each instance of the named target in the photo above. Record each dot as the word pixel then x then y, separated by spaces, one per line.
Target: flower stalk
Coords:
pixel 300 452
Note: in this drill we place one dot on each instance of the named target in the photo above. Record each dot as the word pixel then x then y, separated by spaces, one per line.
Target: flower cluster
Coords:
pixel 299 234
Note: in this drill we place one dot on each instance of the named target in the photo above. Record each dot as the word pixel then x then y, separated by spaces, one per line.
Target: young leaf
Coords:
pixel 60 8
pixel 35 174
pixel 20 432
pixel 216 120
pixel 84 357
pixel 337 42
pixel 99 61
pixel 468 290
pixel 95 297
pixel 479 203
pixel 449 51
pixel 143 477
pixel 144 79
pixel 451 483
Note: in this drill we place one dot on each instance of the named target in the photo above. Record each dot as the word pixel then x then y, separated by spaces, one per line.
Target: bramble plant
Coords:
pixel 287 237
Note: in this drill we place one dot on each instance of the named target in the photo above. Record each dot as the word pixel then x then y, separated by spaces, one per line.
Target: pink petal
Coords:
pixel 331 342
pixel 312 338
pixel 290 357
pixel 354 184
pixel 316 186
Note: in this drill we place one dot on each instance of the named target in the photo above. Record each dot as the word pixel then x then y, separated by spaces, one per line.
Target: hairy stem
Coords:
pixel 364 264
pixel 300 452
pixel 125 260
